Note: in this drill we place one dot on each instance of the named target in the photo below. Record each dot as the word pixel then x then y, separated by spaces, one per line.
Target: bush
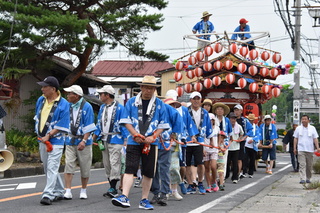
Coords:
pixel 22 141
pixel 279 148
pixel 281 131
pixel 96 154
pixel 316 166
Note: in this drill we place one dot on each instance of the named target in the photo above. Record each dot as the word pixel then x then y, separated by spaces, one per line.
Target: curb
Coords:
pixel 28 171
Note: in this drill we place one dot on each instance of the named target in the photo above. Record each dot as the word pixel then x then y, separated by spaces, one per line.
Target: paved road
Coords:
pixel 24 194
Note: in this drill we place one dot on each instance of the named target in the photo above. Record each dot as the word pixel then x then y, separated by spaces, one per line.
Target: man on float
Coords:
pixel 243 27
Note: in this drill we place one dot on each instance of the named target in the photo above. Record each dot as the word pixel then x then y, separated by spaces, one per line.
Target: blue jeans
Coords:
pixel 51 164
pixel 161 180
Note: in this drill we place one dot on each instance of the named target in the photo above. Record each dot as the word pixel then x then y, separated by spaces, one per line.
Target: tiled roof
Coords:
pixel 129 68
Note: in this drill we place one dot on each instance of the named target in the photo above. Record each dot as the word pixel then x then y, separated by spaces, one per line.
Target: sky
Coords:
pixel 181 15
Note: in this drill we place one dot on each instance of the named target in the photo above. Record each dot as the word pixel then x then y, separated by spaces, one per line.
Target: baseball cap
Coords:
pixel 243 21
pixel 75 89
pixel 222 133
pixel 172 93
pixel 195 94
pixel 49 81
pixel 212 116
pixel 107 88
pixel 238 106
pixel 232 115
pixel 267 117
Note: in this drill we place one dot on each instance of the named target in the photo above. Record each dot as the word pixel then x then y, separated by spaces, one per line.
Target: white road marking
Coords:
pixel 231 194
pixel 6 185
pixel 27 185
pixel 7 189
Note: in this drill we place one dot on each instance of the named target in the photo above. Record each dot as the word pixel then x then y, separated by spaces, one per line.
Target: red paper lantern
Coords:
pixel 253 70
pixel 244 51
pixel 216 80
pixel 228 64
pixel 207 83
pixel 192 60
pixel 208 50
pixel 198 86
pixel 207 66
pixel 251 108
pixel 179 65
pixel 266 89
pixel 275 92
pixel 230 78
pixel 199 55
pixel 179 91
pixel 198 72
pixel 242 67
pixel 276 58
pixel 190 74
pixel 274 72
pixel 217 47
pixel 264 71
pixel 265 55
pixel 177 76
pixel 188 88
pixel 253 54
pixel 218 65
pixel 253 87
pixel 242 83
pixel 233 48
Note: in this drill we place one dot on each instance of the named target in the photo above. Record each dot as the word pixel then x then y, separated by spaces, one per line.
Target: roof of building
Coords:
pixel 129 68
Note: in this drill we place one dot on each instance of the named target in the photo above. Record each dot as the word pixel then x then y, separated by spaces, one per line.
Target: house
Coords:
pixel 27 86
pixel 124 75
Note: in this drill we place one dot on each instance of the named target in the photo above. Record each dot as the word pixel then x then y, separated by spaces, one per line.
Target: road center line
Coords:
pixel 231 194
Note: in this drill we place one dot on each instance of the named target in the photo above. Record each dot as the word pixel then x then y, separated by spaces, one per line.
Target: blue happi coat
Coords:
pixel 272 130
pixel 247 127
pixel 205 130
pixel 117 127
pixel 158 121
pixel 60 120
pixel 86 125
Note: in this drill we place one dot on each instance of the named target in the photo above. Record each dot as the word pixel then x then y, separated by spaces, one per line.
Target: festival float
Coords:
pixel 232 74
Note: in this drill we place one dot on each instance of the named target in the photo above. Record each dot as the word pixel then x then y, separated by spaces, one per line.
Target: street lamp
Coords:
pixel 315 14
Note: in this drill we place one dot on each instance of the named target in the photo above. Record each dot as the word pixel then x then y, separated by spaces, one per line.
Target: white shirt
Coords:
pixel 106 126
pixel 236 145
pixel 75 115
pixel 305 140
pixel 250 145
pixel 216 130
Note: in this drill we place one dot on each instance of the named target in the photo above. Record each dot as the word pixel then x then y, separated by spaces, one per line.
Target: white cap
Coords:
pixel 212 116
pixel 172 93
pixel 106 88
pixel 75 89
pixel 238 106
pixel 195 94
pixel 267 117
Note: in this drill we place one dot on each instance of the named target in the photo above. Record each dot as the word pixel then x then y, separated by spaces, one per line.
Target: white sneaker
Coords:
pixel 67 196
pixel 177 196
pixel 83 195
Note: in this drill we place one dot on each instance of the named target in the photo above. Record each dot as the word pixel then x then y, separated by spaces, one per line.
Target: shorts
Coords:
pixel 269 152
pixel 182 161
pixel 197 153
pixel 148 162
pixel 220 167
pixel 242 151
pixel 210 156
pixel 84 158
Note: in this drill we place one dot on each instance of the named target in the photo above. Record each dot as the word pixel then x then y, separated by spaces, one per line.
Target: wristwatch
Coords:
pixel 85 141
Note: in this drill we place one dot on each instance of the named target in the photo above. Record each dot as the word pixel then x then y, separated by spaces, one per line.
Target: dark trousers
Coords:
pixel 294 161
pixel 233 162
pixel 251 160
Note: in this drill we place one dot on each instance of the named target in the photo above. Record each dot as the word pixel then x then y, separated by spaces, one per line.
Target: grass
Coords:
pixel 312 185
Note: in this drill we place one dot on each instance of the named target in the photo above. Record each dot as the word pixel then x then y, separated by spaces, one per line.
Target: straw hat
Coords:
pixel 149 81
pixel 207 101
pixel 251 117
pixel 205 14
pixel 170 100
pixel 225 107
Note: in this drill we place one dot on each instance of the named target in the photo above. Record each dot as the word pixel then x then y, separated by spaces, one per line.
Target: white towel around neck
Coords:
pixel 308 129
pixel 138 102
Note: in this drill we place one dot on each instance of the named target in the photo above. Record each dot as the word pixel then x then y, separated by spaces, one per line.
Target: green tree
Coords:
pixel 79 28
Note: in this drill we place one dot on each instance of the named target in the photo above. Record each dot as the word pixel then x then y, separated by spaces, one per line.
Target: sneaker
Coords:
pixel 137 182
pixel 45 201
pixel 83 195
pixel 154 199
pixel 242 176
pixel 250 176
pixel 144 204
pixel 191 190
pixel 121 201
pixel 214 187
pixel 302 182
pixel 177 196
pixel 308 181
pixel 202 191
pixel 183 188
pixel 112 193
pixel 162 200
pixel 67 196
pixel 269 172
pixel 221 187
pixel 235 181
pixel 209 189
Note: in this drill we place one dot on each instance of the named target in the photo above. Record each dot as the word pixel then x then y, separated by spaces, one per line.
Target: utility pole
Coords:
pixel 296 76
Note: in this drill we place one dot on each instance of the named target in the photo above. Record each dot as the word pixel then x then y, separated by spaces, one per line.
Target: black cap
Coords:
pixel 232 115
pixel 49 81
